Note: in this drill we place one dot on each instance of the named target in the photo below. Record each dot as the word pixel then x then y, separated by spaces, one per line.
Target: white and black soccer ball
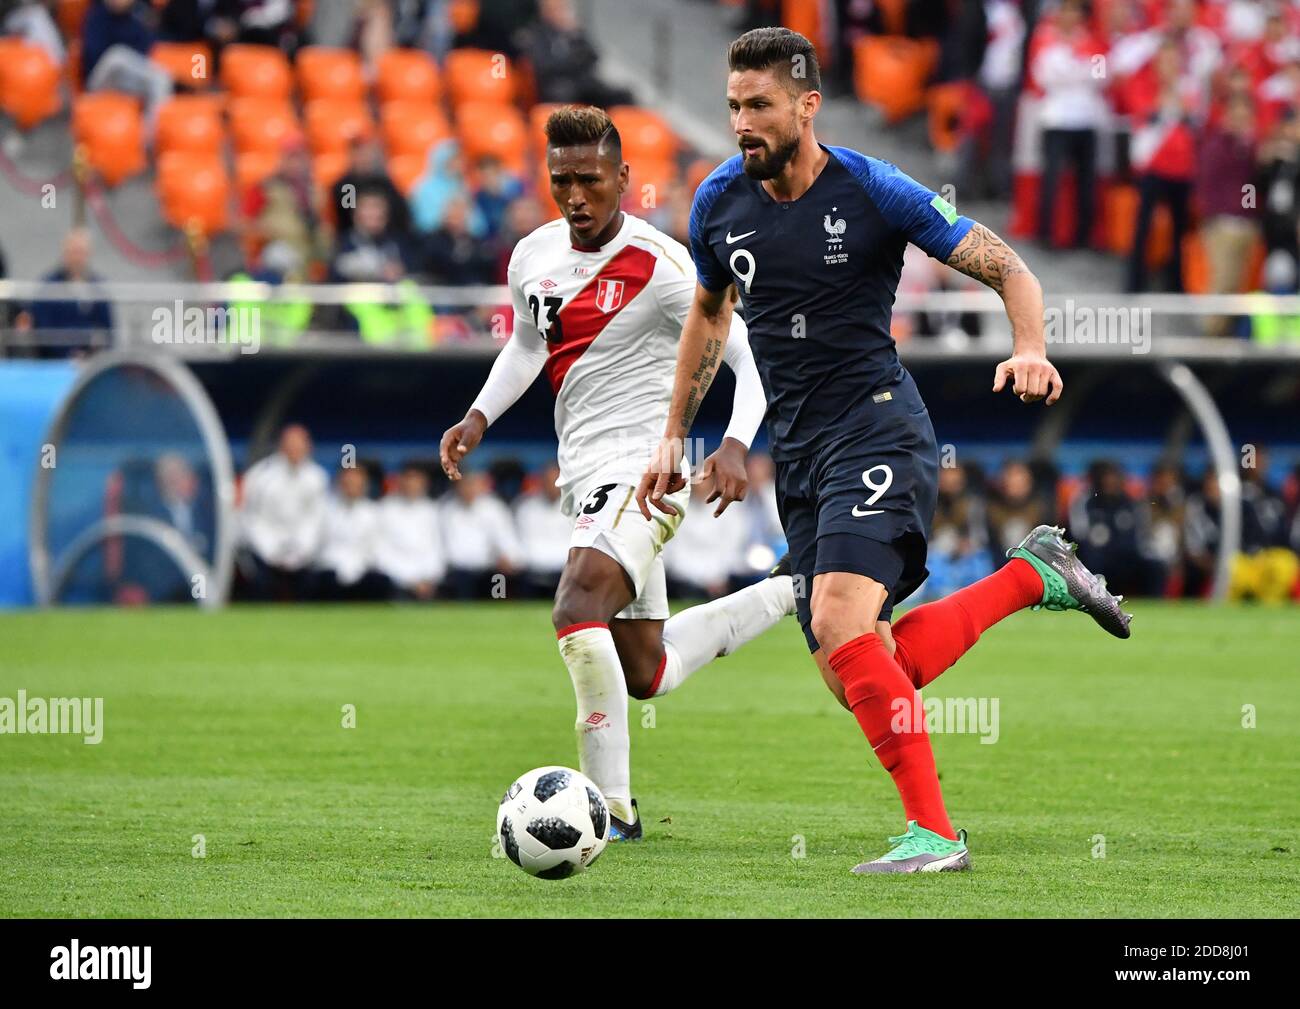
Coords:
pixel 553 822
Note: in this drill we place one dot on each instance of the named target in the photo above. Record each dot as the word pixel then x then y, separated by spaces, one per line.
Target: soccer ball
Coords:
pixel 553 822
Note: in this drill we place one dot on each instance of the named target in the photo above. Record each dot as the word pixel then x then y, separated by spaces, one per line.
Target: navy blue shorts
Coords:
pixel 864 502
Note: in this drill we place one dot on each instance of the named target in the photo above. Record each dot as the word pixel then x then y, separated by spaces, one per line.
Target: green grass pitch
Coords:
pixel 229 726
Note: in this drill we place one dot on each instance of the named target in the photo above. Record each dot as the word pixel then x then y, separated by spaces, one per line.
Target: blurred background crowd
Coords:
pixel 363 533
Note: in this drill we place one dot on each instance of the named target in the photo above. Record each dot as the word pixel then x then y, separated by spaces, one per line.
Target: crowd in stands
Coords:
pixel 1166 132
pixel 499 533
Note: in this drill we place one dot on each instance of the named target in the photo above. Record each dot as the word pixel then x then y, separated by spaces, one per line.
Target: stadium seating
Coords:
pixel 261 124
pixel 412 127
pixel 333 124
pixel 487 129
pixel 254 167
pixel 109 129
pixel 256 71
pixel 644 133
pixel 193 190
pixel 190 123
pixel 405 170
pixel 29 83
pixel 479 76
pixel 890 73
pixel 324 72
pixel 407 75
pixel 188 63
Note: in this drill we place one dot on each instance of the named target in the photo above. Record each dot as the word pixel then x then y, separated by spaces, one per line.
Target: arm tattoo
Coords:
pixel 701 379
pixel 984 256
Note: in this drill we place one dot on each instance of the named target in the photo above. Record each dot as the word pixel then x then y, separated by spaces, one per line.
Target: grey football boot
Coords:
pixel 1067 584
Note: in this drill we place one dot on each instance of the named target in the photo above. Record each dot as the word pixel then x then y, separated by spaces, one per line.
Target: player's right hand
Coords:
pixel 662 477
pixel 459 441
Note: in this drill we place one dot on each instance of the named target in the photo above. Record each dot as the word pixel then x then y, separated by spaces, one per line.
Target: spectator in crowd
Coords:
pixel 565 61
pixel 1166 507
pixel 1279 196
pixel 443 183
pixel 988 165
pixel 1164 157
pixel 284 206
pixel 348 555
pixel 1229 229
pixel 32 20
pixel 762 516
pixel 371 250
pixel 480 538
pixel 367 174
pixel 1106 523
pixel 495 190
pixel 1263 512
pixel 283 517
pixel 523 217
pixel 115 44
pixel 384 24
pixel 453 254
pixel 499 27
pixel 544 533
pixel 959 545
pixel 1072 112
pixel 179 503
pixel 409 546
pixel 1203 526
pixel 706 552
pixel 81 322
pixel 1016 507
pixel 215 22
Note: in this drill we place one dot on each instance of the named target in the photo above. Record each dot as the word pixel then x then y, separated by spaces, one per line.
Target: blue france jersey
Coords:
pixel 817 278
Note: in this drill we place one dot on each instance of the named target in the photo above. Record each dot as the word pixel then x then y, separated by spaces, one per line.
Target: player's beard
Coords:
pixel 774 163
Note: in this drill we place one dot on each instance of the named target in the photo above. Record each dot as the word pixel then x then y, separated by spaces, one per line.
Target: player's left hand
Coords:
pixel 726 468
pixel 1032 376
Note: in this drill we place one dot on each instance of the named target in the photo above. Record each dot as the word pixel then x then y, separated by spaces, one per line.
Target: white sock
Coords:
pixel 699 635
pixel 601 690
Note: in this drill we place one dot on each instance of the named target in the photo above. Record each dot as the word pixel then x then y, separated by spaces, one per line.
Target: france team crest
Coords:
pixel 609 294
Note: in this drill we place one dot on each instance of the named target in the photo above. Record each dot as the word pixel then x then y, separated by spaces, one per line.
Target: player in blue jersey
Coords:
pixel 812 239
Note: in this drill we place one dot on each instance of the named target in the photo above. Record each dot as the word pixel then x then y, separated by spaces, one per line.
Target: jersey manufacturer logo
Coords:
pixel 547 284
pixel 736 238
pixel 609 295
pixel 860 512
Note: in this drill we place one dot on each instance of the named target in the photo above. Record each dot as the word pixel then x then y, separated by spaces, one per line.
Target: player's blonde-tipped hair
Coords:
pixel 581 125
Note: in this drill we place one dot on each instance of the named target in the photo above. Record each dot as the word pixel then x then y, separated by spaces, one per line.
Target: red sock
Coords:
pixel 873 687
pixel 930 638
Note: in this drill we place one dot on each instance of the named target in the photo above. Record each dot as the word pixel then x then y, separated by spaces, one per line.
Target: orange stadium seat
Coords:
pixel 537 116
pixel 189 123
pixel 188 63
pixel 254 167
pixel 463 15
pixel 891 73
pixel 659 174
pixel 644 133
pixel 108 127
pixel 893 13
pixel 325 72
pixel 805 17
pixel 29 83
pixel 405 171
pixel 407 75
pixel 412 127
pixel 947 105
pixel 193 190
pixel 328 167
pixel 477 75
pixel 498 130
pixel 333 125
pixel 262 124
pixel 256 71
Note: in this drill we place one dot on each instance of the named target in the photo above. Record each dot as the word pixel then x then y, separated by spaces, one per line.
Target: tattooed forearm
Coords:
pixel 701 379
pixel 984 256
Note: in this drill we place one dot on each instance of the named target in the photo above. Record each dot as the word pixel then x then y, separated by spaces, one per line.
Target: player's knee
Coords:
pixel 640 682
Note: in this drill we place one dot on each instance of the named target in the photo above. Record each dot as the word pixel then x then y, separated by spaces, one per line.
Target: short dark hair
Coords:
pixel 780 48
pixel 580 125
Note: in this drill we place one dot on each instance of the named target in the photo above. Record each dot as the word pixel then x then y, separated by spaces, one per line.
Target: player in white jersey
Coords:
pixel 599 300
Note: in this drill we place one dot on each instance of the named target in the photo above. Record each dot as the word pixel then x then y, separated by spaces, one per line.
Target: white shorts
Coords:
pixel 609 520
